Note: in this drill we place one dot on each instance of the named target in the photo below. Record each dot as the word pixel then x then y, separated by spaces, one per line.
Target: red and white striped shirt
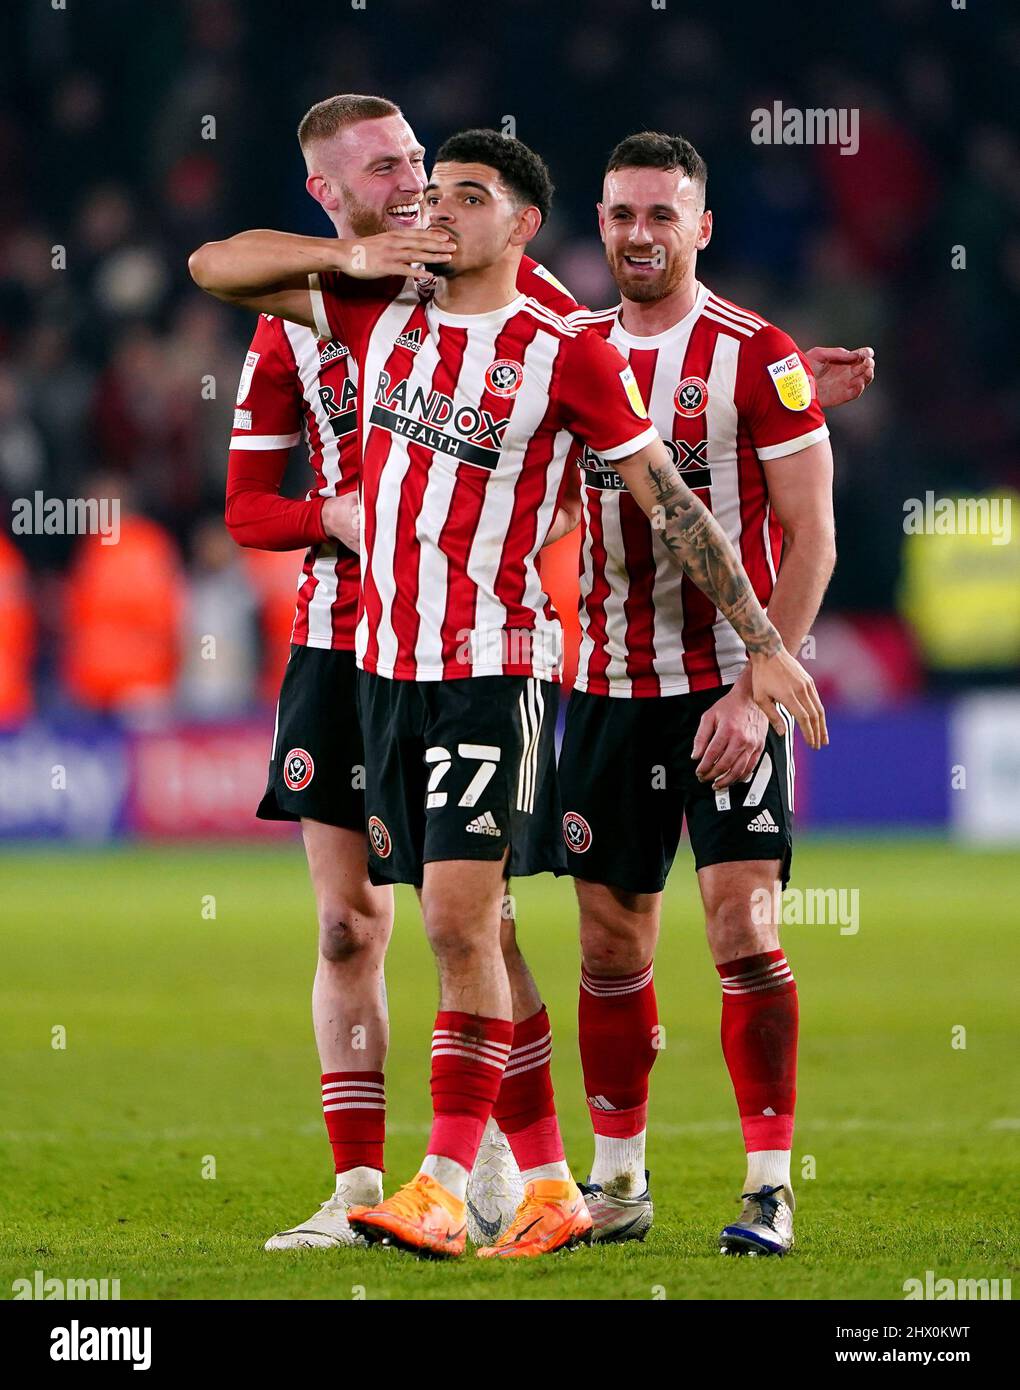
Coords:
pixel 298 386
pixel 295 386
pixel 466 428
pixel 726 391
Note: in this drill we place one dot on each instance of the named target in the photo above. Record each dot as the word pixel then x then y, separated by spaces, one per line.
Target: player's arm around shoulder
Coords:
pixel 272 271
pixel 842 374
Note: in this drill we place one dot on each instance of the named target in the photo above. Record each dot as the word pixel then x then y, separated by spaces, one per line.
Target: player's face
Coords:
pixel 653 223
pixel 376 169
pixel 473 204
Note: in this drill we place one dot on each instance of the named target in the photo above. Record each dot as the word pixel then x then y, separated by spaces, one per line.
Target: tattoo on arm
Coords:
pixel 700 547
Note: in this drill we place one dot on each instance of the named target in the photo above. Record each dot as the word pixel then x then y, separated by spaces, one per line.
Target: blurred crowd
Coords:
pixel 117 376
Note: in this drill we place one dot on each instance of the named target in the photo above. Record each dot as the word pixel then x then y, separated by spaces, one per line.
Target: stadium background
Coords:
pixel 105 372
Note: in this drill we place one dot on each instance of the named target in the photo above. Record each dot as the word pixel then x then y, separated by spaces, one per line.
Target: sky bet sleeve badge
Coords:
pixel 792 383
pixel 633 392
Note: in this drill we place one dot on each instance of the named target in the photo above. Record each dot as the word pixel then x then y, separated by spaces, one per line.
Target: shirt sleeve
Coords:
pixel 268 422
pixel 777 395
pixel 535 280
pixel 345 308
pixel 599 399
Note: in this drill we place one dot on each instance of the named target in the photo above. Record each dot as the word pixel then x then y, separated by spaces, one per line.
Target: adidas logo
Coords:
pixel 332 351
pixel 411 341
pixel 600 1103
pixel 764 824
pixel 483 825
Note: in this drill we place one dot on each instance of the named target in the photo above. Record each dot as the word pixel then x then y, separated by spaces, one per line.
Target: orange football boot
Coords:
pixel 553 1216
pixel 422 1217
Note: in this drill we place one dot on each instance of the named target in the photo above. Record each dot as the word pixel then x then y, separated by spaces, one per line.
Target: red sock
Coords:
pixel 354 1106
pixel 759 1041
pixel 616 1017
pixel 469 1055
pixel 525 1110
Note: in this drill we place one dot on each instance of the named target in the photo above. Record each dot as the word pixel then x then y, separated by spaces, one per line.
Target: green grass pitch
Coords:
pixel 188 1037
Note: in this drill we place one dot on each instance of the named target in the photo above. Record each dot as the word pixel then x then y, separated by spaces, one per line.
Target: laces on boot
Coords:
pixel 767 1202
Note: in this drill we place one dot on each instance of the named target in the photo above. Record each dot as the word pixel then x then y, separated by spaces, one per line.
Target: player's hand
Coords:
pixel 730 737
pixel 842 373
pixel 781 679
pixel 395 253
pixel 341 519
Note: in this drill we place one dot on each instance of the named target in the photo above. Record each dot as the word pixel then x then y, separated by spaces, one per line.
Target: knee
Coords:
pixel 733 926
pixel 616 945
pixel 450 938
pixel 350 937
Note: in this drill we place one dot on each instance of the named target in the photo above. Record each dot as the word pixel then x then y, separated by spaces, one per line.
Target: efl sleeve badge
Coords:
pixel 247 372
pixel 792 383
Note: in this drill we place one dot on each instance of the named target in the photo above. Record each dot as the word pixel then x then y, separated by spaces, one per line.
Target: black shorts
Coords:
pixel 317 766
pixel 460 769
pixel 627 781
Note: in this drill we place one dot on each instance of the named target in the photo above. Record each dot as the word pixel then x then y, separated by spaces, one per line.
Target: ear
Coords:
pixel 526 226
pixel 319 189
pixel 602 221
pixel 704 230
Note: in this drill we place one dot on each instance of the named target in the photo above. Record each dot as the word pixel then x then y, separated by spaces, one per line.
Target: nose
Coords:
pixel 640 234
pixel 412 178
pixel 440 213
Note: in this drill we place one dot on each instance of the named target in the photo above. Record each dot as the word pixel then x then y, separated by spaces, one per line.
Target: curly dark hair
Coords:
pixel 522 170
pixel 650 149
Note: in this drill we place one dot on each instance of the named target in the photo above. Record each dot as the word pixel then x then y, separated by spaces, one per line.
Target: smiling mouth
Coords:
pixel 405 213
pixel 642 262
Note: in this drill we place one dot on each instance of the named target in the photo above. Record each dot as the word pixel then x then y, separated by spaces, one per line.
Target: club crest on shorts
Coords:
pixel 298 769
pixel 380 837
pixel 504 376
pixel 691 396
pixel 576 833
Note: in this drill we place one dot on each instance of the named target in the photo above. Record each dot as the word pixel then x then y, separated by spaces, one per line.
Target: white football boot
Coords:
pixel 495 1189
pixel 765 1225
pixel 329 1226
pixel 616 1219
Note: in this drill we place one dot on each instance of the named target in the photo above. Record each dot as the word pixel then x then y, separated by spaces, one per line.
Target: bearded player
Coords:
pixel 476 394
pixel 366 170
pixel 662 724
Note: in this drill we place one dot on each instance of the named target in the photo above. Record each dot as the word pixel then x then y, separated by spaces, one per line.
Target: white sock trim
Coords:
pixel 359 1186
pixel 769 1168
pixel 448 1173
pixel 619 1164
pixel 555 1172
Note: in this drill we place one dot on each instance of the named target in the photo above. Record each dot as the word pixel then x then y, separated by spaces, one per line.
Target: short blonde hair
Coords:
pixel 327 118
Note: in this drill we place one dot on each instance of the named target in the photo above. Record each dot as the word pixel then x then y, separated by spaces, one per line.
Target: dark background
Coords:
pixel 101 151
